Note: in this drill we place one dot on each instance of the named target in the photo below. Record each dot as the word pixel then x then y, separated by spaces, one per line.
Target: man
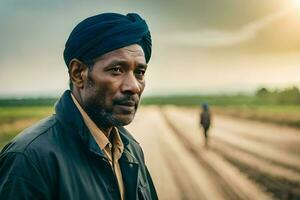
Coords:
pixel 83 151
pixel 205 120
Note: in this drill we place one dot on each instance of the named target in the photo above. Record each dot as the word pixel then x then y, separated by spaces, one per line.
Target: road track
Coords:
pixel 244 160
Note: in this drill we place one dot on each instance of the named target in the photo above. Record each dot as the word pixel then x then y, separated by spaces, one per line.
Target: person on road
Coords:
pixel 205 119
pixel 83 151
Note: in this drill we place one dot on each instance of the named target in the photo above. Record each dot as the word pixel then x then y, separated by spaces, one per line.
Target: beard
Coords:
pixel 101 113
pixel 104 118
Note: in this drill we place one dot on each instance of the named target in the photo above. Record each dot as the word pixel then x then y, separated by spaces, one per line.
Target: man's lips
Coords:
pixel 127 103
pixel 126 106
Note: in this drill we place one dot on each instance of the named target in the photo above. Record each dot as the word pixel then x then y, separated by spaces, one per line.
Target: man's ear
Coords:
pixel 78 73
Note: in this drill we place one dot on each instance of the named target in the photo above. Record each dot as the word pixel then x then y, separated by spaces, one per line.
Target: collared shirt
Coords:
pixel 113 149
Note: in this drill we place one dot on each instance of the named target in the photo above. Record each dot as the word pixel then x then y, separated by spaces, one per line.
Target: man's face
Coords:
pixel 113 88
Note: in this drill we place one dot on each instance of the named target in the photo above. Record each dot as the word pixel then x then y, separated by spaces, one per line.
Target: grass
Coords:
pixel 242 106
pixel 12 114
pixel 196 100
pixel 279 114
pixel 15 119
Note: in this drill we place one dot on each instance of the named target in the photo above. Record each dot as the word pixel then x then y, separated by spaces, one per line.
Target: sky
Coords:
pixel 199 46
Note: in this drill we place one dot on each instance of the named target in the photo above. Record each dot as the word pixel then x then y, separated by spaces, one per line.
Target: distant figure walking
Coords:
pixel 205 119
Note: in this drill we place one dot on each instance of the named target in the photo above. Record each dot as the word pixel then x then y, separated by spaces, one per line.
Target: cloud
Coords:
pixel 210 38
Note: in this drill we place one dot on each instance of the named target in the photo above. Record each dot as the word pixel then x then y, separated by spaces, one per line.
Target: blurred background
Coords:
pixel 241 58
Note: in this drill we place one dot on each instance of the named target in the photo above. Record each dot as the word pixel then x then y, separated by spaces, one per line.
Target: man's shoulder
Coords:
pixel 26 161
pixel 32 137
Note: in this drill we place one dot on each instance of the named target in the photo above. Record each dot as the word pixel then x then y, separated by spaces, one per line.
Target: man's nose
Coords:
pixel 131 84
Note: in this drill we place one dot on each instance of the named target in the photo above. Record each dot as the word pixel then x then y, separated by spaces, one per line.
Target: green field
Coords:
pixel 13 119
pixel 280 114
pixel 277 110
pixel 19 114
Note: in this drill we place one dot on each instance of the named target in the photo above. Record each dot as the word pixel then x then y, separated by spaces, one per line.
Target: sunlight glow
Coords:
pixel 296 3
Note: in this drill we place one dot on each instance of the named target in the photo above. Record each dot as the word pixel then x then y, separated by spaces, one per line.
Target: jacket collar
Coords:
pixel 70 118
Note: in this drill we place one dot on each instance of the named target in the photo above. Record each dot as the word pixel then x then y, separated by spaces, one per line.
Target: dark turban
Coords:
pixel 106 32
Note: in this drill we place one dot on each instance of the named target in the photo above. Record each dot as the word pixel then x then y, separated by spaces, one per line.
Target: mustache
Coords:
pixel 128 100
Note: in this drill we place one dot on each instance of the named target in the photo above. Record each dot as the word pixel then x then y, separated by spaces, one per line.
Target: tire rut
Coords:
pixel 274 162
pixel 288 149
pixel 223 185
pixel 186 191
pixel 279 187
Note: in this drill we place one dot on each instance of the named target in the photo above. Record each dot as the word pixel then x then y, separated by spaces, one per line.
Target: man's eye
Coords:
pixel 116 69
pixel 140 72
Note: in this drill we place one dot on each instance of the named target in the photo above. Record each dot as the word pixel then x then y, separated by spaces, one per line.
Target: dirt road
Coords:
pixel 245 159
